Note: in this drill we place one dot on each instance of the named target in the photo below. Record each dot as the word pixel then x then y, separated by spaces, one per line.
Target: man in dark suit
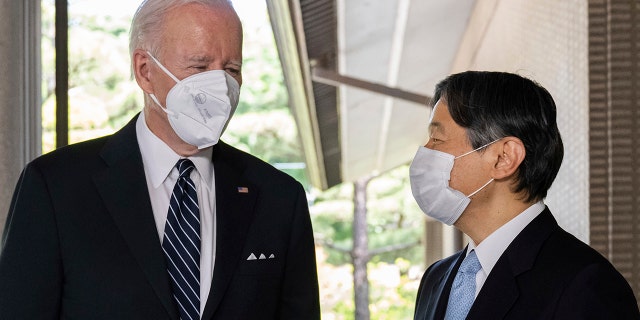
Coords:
pixel 113 229
pixel 493 152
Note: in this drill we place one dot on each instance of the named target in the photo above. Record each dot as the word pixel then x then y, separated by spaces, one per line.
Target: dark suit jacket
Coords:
pixel 81 243
pixel 545 273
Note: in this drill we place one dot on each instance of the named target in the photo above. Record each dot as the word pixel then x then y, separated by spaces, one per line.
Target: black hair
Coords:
pixel 494 105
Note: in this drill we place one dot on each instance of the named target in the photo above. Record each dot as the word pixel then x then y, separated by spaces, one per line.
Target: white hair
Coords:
pixel 147 22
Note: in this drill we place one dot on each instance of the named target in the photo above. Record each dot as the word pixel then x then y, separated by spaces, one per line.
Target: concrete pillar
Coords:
pixel 20 97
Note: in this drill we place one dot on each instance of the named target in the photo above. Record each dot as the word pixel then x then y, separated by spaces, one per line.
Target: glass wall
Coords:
pixel 102 93
pixel 103 97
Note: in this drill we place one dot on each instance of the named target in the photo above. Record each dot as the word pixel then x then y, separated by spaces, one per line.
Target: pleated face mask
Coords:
pixel 429 174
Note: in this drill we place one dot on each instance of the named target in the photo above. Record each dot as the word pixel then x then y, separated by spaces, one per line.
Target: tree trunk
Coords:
pixel 360 253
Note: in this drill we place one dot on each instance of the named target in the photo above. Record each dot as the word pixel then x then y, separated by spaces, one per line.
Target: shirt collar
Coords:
pixel 160 159
pixel 491 248
pixel 202 161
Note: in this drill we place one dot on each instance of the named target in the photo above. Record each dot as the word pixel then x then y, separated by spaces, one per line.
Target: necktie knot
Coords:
pixel 470 265
pixel 184 166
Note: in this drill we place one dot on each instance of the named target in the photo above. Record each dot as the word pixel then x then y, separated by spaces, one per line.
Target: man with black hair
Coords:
pixel 493 152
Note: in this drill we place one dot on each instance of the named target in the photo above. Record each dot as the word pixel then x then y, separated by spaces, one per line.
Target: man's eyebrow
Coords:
pixel 206 59
pixel 236 63
pixel 198 59
pixel 436 126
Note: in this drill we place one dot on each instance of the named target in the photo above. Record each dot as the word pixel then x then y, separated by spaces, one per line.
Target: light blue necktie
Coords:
pixel 181 243
pixel 463 290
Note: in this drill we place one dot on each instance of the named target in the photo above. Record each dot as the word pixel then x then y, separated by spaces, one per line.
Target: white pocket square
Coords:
pixel 262 256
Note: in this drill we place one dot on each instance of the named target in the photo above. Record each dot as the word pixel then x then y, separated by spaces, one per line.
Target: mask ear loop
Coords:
pixel 169 112
pixel 476 149
pixel 472 151
pixel 153 96
pixel 474 193
pixel 163 68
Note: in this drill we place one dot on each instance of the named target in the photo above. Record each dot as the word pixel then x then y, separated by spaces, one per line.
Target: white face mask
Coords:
pixel 429 174
pixel 199 107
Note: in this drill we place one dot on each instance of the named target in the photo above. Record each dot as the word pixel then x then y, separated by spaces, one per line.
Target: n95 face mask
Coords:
pixel 429 174
pixel 199 107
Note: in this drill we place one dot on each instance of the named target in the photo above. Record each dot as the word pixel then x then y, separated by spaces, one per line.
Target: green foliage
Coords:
pixel 263 85
pixel 393 303
pixel 346 309
pixel 103 97
pixel 270 135
pixel 392 293
pixel 393 218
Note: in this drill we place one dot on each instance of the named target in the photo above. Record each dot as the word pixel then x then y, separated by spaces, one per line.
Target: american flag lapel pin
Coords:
pixel 243 190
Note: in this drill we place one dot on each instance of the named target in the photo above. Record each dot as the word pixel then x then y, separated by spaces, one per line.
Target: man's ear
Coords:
pixel 510 153
pixel 142 69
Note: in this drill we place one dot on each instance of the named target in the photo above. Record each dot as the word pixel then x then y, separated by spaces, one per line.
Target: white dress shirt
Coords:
pixel 491 248
pixel 159 166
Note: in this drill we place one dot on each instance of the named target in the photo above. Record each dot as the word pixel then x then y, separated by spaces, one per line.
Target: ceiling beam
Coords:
pixel 333 78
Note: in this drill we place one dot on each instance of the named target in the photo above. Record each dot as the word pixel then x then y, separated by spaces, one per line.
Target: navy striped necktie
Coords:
pixel 181 244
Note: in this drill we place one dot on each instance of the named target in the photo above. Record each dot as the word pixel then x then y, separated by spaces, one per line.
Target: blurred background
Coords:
pixel 336 94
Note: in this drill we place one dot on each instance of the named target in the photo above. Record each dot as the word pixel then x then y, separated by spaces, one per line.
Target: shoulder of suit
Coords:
pixel 441 266
pixel 571 248
pixel 72 155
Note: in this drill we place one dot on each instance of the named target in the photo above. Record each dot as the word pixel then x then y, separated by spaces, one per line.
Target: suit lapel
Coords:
pixel 444 286
pixel 234 213
pixel 500 291
pixel 122 185
pixel 434 292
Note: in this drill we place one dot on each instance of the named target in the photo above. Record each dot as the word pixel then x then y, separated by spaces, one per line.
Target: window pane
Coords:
pixel 102 94
pixel 48 55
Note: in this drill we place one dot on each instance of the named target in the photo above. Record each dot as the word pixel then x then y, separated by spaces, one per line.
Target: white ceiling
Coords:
pixel 406 44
